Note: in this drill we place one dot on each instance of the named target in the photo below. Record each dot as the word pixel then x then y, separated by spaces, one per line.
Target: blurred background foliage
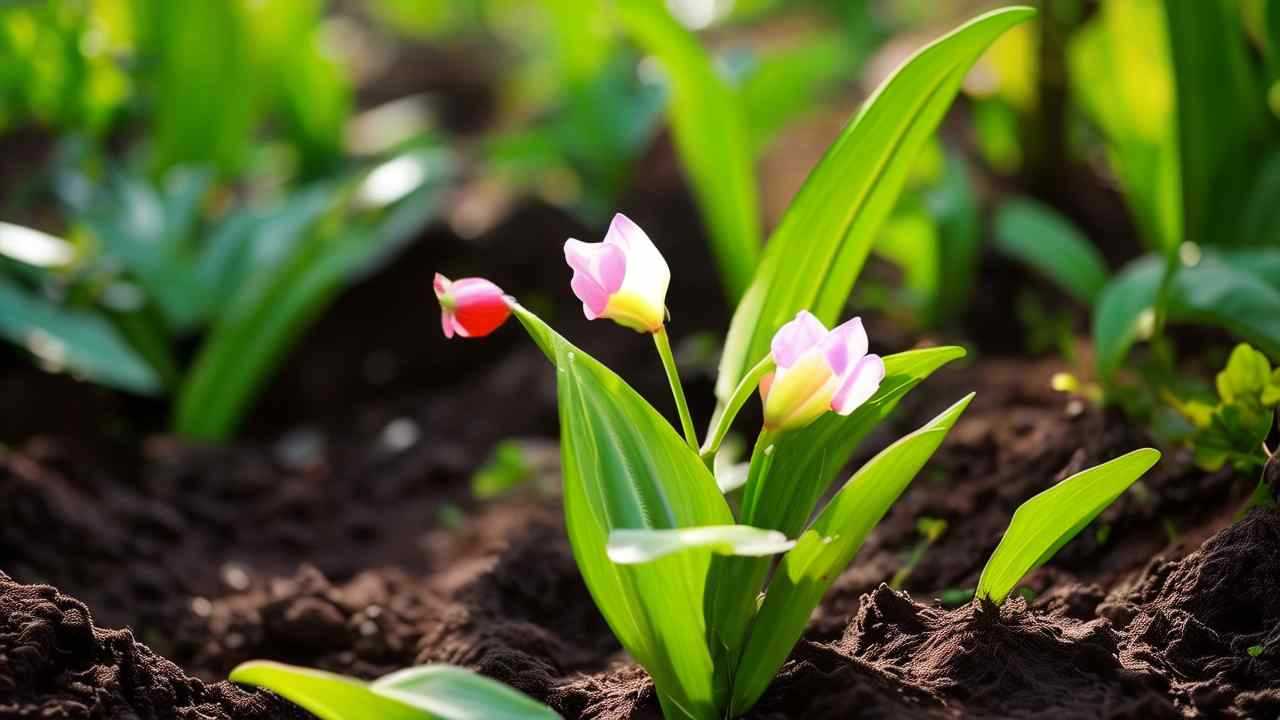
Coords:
pixel 214 172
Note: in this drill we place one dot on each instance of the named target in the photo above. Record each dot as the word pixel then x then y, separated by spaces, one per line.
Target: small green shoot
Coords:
pixel 930 530
pixel 1255 650
pixel 1046 522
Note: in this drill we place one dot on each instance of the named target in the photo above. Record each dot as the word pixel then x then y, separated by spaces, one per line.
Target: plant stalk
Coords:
pixel 724 419
pixel 663 343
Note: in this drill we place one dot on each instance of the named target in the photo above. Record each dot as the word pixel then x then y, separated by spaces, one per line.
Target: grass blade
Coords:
pixel 325 695
pixel 818 249
pixel 454 693
pixel 1046 522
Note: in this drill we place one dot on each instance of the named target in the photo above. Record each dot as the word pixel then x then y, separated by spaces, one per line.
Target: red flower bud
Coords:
pixel 470 307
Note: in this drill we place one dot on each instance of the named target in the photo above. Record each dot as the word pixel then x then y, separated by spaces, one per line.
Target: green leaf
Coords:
pixel 1037 235
pixel 826 549
pixel 453 693
pixel 711 134
pixel 427 692
pixel 325 695
pixel 625 468
pixel 1245 377
pixel 788 82
pixel 631 547
pixel 1046 522
pixel 1125 311
pixel 818 249
pixel 1213 292
pixel 78 340
pixel 1220 108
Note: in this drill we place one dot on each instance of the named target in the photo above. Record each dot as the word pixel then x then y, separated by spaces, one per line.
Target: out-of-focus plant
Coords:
pixel 683 581
pixel 146 265
pixel 426 692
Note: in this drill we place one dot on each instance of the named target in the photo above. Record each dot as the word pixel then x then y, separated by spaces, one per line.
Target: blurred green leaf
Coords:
pixel 1213 292
pixel 709 124
pixel 505 470
pixel 1124 82
pixel 196 59
pixel 1246 375
pixel 625 468
pixel 785 83
pixel 78 340
pixel 1220 108
pixel 818 249
pixel 1046 522
pixel 1038 236
pixel 826 548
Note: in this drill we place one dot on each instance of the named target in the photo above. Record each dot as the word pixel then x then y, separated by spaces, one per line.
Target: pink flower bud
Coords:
pixel 470 307
pixel 624 278
pixel 818 370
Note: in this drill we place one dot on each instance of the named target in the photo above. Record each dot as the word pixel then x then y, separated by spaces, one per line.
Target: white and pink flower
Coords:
pixel 623 279
pixel 819 370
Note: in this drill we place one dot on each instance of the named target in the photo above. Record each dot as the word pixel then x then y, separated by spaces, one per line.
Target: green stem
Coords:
pixel 724 419
pixel 673 376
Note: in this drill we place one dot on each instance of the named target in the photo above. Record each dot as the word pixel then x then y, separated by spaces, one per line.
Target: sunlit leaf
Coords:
pixel 827 548
pixel 1046 522
pixel 1039 236
pixel 818 249
pixel 326 695
pixel 453 693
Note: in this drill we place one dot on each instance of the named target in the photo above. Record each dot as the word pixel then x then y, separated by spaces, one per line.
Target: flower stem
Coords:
pixel 724 419
pixel 673 376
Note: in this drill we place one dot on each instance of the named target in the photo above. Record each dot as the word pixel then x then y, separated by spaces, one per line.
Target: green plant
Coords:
pixel 1046 522
pixel 426 692
pixel 683 580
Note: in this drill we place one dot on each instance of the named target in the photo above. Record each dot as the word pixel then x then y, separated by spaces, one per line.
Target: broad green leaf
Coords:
pixel 326 695
pixel 1259 224
pixel 1220 109
pixel 631 547
pixel 1213 292
pixel 81 341
pixel 625 468
pixel 826 549
pixel 817 251
pixel 709 124
pixel 953 203
pixel 1046 522
pixel 1039 236
pixel 1262 263
pixel 804 463
pixel 453 693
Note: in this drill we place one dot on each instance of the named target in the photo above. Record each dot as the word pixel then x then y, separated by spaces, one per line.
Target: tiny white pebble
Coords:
pixel 368 628
pixel 201 606
pixel 400 434
pixel 235 577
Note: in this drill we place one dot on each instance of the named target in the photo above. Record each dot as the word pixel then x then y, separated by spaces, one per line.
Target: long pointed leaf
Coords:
pixel 625 468
pixel 817 251
pixel 325 695
pixel 824 551
pixel 454 693
pixel 1046 522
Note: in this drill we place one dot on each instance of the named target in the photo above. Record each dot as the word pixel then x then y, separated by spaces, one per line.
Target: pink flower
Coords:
pixel 818 370
pixel 624 278
pixel 470 307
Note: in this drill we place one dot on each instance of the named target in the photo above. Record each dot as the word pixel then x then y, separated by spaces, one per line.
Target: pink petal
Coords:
pixel 796 337
pixel 598 271
pixel 846 344
pixel 446 323
pixel 441 284
pixel 859 385
pixel 621 232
